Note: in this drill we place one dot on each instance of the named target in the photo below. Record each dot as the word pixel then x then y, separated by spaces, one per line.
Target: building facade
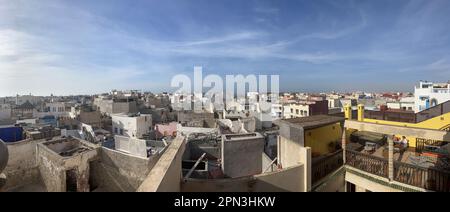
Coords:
pixel 133 126
pixel 429 94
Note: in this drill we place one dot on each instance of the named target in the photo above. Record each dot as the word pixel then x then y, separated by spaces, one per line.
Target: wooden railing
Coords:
pixel 367 163
pixel 323 167
pixel 421 142
pixel 427 178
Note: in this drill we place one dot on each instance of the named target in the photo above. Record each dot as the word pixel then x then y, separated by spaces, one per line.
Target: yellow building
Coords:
pixel 321 132
pixel 441 122
pixel 389 166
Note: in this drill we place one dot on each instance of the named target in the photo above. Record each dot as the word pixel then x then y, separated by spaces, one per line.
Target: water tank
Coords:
pixel 3 156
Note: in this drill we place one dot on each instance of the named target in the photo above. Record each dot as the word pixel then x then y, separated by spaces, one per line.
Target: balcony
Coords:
pixel 425 166
pixel 322 167
pixel 367 163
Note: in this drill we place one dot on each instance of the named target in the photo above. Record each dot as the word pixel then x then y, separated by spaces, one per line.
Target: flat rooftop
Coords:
pixel 311 122
pixel 233 137
pixel 67 147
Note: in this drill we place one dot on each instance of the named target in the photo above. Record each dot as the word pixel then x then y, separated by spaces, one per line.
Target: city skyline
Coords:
pixel 64 47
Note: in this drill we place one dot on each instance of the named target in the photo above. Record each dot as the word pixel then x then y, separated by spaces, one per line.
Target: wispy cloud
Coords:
pixel 73 44
pixel 267 10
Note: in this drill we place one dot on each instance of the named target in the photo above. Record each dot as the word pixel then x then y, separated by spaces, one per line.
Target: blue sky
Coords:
pixel 83 46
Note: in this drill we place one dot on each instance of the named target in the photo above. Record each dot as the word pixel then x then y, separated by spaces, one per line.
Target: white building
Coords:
pixel 5 111
pixel 277 111
pixel 405 103
pixel 429 94
pixel 57 109
pixel 133 126
pixel 22 99
pixel 296 110
pixel 334 101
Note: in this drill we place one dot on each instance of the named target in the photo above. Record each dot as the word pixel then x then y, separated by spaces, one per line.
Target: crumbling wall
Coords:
pixel 51 168
pixel 117 171
pixel 22 168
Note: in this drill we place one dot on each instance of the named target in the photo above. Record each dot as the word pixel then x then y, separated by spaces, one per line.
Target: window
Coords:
pixel 296 111
pixel 115 130
pixel 292 110
pixel 121 131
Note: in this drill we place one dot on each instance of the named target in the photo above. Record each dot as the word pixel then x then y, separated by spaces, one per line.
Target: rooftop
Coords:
pixel 311 122
pixel 234 137
pixel 67 147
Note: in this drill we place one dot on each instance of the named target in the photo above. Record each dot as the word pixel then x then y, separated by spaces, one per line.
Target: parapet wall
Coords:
pixel 22 168
pixel 286 180
pixel 118 171
pixel 166 174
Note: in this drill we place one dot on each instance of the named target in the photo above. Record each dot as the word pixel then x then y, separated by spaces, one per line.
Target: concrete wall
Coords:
pixel 335 182
pixel 166 129
pixel 5 113
pixel 287 180
pixel 410 132
pixel 133 127
pixel 196 150
pixel 22 168
pixel 166 174
pixel 291 140
pixel 92 118
pixel 266 161
pixel 319 139
pixel 117 171
pixel 366 184
pixel 136 147
pixel 241 156
pixel 124 107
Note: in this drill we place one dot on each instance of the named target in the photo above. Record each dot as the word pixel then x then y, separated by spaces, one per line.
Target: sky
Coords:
pixel 85 47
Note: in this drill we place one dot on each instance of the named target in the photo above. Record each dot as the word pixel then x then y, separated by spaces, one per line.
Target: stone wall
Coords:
pixel 22 168
pixel 51 168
